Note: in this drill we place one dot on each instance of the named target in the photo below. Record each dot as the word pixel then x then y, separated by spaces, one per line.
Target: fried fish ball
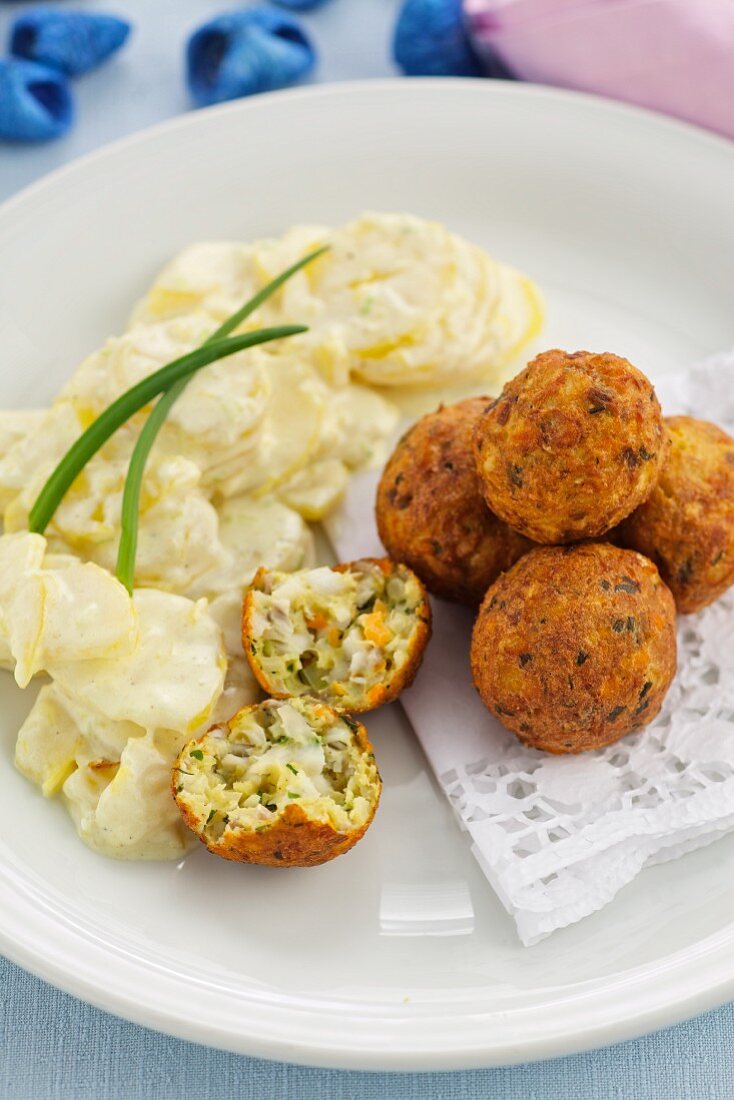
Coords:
pixel 289 783
pixel 571 446
pixel 353 635
pixel 575 646
pixel 686 525
pixel 431 513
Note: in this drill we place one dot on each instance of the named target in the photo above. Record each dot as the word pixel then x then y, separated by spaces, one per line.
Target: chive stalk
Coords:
pixel 130 402
pixel 125 570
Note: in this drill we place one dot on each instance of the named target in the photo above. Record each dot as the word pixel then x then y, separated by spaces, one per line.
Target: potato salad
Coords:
pixel 260 446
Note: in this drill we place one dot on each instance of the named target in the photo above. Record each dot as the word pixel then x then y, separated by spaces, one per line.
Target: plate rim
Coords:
pixel 659 1009
pixel 510 88
pixel 714 986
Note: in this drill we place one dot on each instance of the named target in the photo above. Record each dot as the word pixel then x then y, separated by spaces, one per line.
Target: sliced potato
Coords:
pixel 21 554
pixel 353 635
pixel 171 680
pixel 365 421
pixel 521 312
pixel 288 438
pixel 198 276
pixel 217 418
pixel 264 532
pixel 60 734
pixel 17 424
pixel 48 742
pixel 124 809
pixel 114 776
pixel 32 457
pixel 289 783
pixel 409 303
pixel 316 489
pixel 178 542
pixel 125 360
pixel 252 532
pixel 74 614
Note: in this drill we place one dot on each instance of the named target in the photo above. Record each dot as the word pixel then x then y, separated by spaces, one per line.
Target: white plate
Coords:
pixel 397 956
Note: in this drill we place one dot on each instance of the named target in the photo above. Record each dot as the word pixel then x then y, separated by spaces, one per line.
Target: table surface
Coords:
pixel 52 1045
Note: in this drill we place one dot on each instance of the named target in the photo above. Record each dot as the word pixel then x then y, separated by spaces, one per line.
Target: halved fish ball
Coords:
pixel 353 635
pixel 288 783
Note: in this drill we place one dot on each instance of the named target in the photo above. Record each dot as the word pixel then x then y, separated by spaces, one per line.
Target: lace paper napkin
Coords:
pixel 557 837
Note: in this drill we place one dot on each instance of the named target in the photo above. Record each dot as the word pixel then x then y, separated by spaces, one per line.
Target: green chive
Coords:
pixel 130 402
pixel 292 794
pixel 134 481
pixel 292 769
pixel 197 754
pixel 126 551
pixel 211 815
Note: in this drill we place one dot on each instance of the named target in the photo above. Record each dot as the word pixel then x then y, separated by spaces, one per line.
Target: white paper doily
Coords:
pixel 557 837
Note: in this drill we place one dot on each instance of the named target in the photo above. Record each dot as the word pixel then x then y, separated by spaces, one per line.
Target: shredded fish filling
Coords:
pixel 342 634
pixel 269 756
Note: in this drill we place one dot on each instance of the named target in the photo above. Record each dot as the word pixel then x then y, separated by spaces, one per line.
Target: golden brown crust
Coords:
pixel 248 608
pixel 575 646
pixel 294 840
pixel 381 694
pixel 404 677
pixel 431 513
pixel 572 445
pixel 687 523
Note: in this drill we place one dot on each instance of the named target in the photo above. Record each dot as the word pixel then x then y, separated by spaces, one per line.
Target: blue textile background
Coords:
pixel 53 1046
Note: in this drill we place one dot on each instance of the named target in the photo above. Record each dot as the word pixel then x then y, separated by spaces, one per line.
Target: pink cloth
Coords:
pixel 675 56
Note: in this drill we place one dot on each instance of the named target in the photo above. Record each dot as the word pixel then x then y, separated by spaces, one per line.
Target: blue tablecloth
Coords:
pixel 53 1046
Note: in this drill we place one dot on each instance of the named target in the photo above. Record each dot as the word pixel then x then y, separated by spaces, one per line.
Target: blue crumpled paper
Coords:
pixel 300 5
pixel 71 41
pixel 244 52
pixel 36 103
pixel 430 39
